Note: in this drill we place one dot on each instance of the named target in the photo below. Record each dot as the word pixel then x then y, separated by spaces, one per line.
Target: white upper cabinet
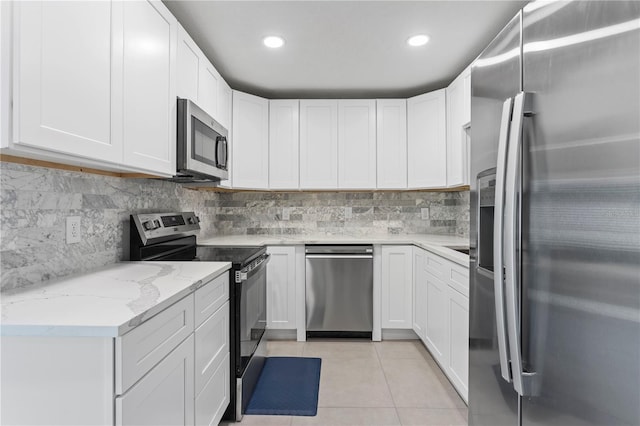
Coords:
pixel 224 104
pixel 199 81
pixel 208 90
pixel 392 143
pixel 466 78
pixel 189 59
pixel 95 84
pixel 318 144
pixel 284 124
pixel 66 81
pixel 458 115
pixel 427 140
pixel 149 79
pixel 357 144
pixel 250 161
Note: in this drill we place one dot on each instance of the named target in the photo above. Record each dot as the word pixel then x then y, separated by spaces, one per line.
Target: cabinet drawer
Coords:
pixel 212 345
pixel 458 278
pixel 164 396
pixel 435 265
pixel 146 345
pixel 214 398
pixel 210 297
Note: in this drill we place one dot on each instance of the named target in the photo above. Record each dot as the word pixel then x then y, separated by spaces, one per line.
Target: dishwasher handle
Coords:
pixel 339 256
pixel 344 249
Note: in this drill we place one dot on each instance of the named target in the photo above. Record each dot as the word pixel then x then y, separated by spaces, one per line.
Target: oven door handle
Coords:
pixel 246 273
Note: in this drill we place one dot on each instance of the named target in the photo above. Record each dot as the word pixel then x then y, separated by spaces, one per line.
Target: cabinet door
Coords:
pixel 281 288
pixel 143 347
pixel 224 104
pixel 419 293
pixel 427 140
pixel 224 113
pixel 397 286
pixel 208 95
pixel 318 144
pixel 466 105
pixel 284 126
pixel 66 79
pixel 357 144
pixel 150 108
pixel 437 318
pixel 392 143
pixel 188 66
pixel 165 396
pixel 211 346
pixel 250 166
pixel 458 360
pixel 214 398
pixel 457 117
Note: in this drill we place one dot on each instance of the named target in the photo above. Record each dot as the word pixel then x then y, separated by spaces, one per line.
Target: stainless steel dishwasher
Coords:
pixel 339 290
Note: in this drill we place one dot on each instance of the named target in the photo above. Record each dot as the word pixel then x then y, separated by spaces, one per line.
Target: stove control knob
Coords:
pixel 157 224
pixel 191 221
pixel 148 225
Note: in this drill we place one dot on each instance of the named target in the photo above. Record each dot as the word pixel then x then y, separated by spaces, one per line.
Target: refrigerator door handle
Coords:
pixel 498 221
pixel 522 381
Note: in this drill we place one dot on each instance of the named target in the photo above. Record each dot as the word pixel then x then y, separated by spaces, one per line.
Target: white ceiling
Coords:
pixel 341 49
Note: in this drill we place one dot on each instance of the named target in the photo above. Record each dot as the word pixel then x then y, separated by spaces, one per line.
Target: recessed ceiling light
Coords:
pixel 418 40
pixel 273 41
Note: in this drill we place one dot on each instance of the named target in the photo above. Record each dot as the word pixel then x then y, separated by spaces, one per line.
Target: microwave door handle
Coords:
pixel 498 222
pixel 221 141
pixel 218 142
pixel 226 153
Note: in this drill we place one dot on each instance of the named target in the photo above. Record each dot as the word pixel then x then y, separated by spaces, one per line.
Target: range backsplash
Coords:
pixel 35 202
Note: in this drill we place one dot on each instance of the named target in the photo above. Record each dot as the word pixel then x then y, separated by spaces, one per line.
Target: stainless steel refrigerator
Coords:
pixel 555 218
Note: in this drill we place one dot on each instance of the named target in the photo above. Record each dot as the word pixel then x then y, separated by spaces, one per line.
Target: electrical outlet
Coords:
pixel 73 229
pixel 285 213
pixel 424 212
pixel 348 213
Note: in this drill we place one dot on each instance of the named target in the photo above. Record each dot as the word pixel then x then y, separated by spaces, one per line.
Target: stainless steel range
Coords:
pixel 171 236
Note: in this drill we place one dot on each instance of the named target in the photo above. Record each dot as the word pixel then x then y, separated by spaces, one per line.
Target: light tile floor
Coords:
pixel 372 384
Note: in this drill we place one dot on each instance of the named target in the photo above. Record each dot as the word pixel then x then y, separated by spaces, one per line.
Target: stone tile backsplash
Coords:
pixel 358 213
pixel 35 202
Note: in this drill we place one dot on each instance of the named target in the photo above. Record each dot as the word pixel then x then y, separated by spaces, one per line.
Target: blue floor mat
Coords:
pixel 287 386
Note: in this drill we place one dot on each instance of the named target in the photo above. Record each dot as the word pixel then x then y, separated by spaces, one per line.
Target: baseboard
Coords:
pixel 277 334
pixel 398 334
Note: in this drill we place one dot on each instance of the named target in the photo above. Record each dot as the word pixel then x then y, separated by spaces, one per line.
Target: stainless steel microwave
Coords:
pixel 203 150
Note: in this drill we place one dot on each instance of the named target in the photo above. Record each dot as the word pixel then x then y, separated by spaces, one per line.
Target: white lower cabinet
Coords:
pixel 164 395
pixel 212 368
pixel 458 361
pixel 436 330
pixel 419 294
pixel 163 372
pixel 281 287
pixel 441 314
pixel 397 286
pixel 214 397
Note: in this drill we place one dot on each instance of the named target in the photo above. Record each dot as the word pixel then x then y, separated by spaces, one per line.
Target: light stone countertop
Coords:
pixel 107 302
pixel 435 243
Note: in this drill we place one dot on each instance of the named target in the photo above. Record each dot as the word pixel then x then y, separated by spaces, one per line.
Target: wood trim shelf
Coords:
pixel 52 165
